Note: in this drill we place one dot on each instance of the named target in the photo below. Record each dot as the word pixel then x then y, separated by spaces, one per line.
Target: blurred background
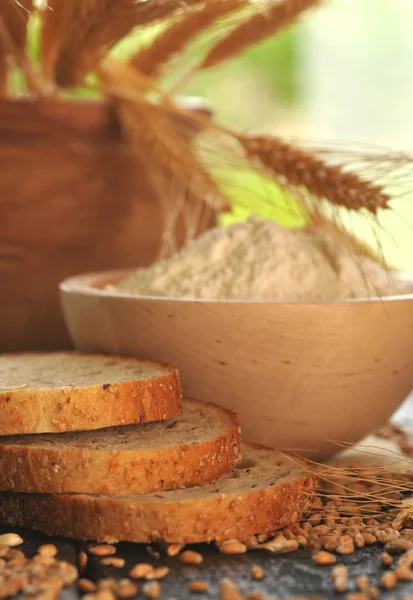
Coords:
pixel 343 74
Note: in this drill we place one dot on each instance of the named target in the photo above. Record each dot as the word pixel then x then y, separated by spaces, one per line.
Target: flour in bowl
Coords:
pixel 259 260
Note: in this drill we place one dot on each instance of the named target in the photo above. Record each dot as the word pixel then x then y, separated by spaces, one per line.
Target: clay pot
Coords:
pixel 73 198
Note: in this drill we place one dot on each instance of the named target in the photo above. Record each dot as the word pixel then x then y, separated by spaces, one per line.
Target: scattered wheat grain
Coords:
pixel 102 550
pixel 198 586
pixel 113 561
pixel 151 589
pixel 190 557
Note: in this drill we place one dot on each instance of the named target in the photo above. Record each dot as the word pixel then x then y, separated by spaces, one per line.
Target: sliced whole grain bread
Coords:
pixel 69 391
pixel 266 491
pixel 199 445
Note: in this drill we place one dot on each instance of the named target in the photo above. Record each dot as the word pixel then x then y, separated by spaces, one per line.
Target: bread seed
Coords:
pixel 10 540
pixel 190 557
pixel 113 561
pixel 47 550
pixel 102 550
pixel 86 586
pixel 232 547
pixel 389 580
pixel 198 587
pixel 141 570
pixel 151 589
pixel 324 558
pixel 257 572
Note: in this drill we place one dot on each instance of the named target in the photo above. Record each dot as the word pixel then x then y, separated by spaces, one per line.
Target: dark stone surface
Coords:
pixel 286 575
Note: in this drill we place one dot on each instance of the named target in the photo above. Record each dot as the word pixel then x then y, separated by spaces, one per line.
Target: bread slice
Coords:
pixel 68 391
pixel 266 491
pixel 199 445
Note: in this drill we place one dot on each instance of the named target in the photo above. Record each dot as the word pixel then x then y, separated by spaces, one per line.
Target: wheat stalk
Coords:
pixel 150 126
pixel 298 168
pixel 173 40
pixel 255 29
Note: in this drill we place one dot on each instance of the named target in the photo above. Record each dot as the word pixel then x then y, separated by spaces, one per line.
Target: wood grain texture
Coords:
pixel 73 198
pixel 297 374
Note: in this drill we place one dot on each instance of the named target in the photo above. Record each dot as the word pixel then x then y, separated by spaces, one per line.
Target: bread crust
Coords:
pixel 215 516
pixel 73 469
pixel 71 408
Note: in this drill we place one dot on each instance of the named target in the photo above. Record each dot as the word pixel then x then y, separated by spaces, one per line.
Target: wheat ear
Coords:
pixel 4 72
pixel 52 23
pixel 150 127
pixel 298 168
pixel 173 40
pixel 14 18
pixel 93 26
pixel 255 29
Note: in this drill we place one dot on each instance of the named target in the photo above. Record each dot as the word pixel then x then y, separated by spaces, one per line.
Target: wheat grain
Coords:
pixel 150 60
pixel 255 29
pixel 228 591
pixel 298 168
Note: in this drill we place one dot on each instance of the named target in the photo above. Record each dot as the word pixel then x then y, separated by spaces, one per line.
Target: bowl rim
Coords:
pixel 83 284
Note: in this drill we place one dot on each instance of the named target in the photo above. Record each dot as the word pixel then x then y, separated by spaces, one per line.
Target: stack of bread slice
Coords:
pixel 105 448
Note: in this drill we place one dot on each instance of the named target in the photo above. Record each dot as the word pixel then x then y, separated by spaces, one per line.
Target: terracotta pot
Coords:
pixel 73 198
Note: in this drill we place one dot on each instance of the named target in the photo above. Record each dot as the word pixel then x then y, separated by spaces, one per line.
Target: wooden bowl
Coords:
pixel 297 374
pixel 73 197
